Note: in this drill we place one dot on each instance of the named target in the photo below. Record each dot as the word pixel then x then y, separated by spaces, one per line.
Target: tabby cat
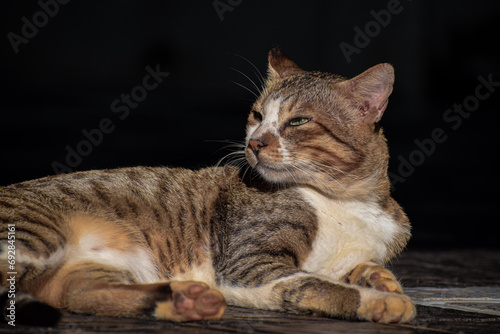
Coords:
pixel 310 235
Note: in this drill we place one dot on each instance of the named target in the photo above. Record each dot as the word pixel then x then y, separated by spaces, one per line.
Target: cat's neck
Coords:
pixel 370 189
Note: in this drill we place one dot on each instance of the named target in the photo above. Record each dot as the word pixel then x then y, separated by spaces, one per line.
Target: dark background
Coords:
pixel 64 79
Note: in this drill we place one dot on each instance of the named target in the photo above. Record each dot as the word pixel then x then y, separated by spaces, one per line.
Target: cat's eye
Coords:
pixel 257 115
pixel 298 121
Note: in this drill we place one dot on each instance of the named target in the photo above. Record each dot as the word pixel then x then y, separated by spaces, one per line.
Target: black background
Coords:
pixel 64 79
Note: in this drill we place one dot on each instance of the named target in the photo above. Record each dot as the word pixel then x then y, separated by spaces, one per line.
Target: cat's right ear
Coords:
pixel 280 66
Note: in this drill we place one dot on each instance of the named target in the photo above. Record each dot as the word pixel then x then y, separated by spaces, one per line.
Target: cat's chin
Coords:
pixel 272 174
pixel 283 176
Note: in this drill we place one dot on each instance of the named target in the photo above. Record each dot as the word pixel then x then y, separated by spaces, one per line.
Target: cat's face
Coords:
pixel 319 129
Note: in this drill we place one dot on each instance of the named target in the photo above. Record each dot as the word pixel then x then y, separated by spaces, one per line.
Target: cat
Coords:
pixel 311 234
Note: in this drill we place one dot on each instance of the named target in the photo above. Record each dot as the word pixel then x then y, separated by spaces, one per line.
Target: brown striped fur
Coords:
pixel 311 236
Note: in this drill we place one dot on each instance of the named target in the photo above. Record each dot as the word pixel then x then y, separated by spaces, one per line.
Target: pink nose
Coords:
pixel 256 145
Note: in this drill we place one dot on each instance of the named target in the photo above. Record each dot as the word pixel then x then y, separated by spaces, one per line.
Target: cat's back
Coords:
pixel 117 188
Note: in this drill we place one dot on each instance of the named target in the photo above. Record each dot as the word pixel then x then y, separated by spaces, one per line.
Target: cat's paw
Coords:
pixel 385 307
pixel 191 301
pixel 383 280
pixel 374 276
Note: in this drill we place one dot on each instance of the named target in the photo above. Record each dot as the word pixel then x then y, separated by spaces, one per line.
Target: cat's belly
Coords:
pixel 108 244
pixel 349 233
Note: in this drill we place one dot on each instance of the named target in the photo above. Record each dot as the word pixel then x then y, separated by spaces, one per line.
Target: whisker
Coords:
pixel 231 158
pixel 260 76
pixel 292 174
pixel 236 148
pixel 252 171
pixel 308 172
pixel 248 89
pixel 303 168
pixel 325 164
pixel 229 141
pixel 249 79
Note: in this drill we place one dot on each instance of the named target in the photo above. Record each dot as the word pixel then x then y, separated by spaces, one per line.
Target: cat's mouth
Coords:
pixel 269 169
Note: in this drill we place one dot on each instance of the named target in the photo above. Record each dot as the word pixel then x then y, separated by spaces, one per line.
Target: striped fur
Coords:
pixel 311 236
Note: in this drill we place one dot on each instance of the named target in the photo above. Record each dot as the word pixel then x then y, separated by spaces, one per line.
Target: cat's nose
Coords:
pixel 256 145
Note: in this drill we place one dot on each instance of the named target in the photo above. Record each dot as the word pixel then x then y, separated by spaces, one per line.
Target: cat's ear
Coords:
pixel 280 66
pixel 370 91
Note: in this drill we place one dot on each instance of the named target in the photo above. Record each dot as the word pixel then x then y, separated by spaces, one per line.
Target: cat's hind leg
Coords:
pixel 17 304
pixel 23 308
pixel 94 288
pixel 372 275
pixel 191 301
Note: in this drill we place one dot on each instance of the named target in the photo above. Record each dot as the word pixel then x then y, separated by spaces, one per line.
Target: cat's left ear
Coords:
pixel 280 66
pixel 370 91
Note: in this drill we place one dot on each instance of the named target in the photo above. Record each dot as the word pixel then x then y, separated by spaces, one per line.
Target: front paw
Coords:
pixel 383 280
pixel 385 307
pixel 372 275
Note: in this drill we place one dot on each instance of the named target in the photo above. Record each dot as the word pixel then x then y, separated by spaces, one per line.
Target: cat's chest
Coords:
pixel 349 233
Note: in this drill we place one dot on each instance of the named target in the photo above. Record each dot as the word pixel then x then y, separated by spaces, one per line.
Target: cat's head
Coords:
pixel 320 130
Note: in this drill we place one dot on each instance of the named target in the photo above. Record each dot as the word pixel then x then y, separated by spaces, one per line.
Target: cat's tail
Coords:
pixel 19 308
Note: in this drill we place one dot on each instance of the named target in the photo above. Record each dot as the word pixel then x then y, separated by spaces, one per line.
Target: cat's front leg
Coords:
pixel 372 275
pixel 303 292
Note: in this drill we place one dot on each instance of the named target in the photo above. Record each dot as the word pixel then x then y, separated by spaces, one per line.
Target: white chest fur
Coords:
pixel 349 233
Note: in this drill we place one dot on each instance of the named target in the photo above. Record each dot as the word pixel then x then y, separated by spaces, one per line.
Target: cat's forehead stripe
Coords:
pixel 271 115
pixel 272 107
